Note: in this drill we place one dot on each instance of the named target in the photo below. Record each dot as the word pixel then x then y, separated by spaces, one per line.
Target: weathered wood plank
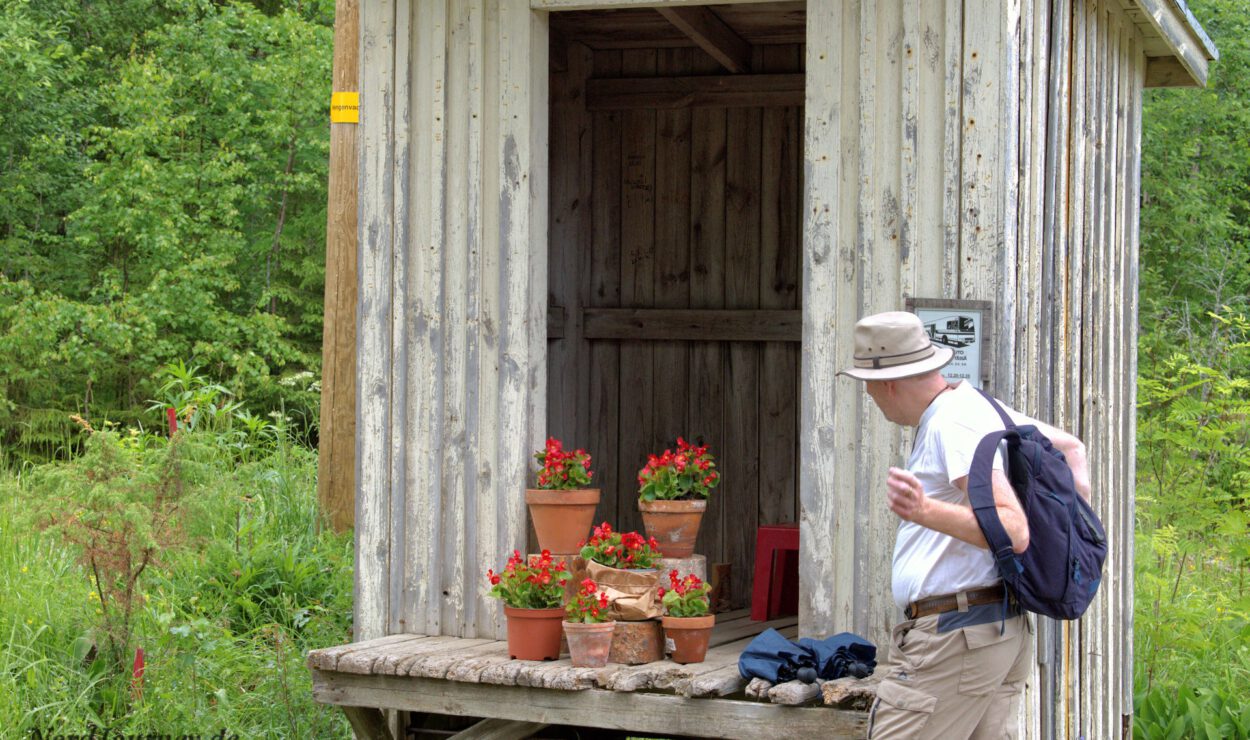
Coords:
pixel 712 35
pixel 738 458
pixel 719 325
pixel 327 658
pixel 564 251
pixel 1168 72
pixel 499 729
pixel 828 408
pixel 671 362
pixel 1188 46
pixel 637 423
pixel 637 712
pixel 363 660
pixel 778 290
pixel 517 211
pixel 435 663
pixel 706 405
pixel 374 340
pixel 605 290
pixel 775 23
pixel 368 723
pixel 336 459
pixel 719 91
pixel 421 427
pixel 878 226
pixel 1130 288
pixel 554 5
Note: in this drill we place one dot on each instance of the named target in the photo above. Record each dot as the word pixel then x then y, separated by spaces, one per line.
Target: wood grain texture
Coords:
pixel 712 35
pixel 703 91
pixel 373 523
pixel 638 712
pixel 336 459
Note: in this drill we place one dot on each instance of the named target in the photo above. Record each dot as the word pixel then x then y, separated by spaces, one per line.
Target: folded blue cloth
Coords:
pixel 774 658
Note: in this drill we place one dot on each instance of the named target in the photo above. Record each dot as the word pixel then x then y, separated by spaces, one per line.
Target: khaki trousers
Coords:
pixel 963 682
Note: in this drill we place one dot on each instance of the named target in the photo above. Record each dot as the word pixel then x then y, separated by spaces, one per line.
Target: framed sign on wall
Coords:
pixel 966 328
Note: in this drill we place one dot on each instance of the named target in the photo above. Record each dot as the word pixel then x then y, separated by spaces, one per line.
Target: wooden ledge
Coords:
pixel 660 714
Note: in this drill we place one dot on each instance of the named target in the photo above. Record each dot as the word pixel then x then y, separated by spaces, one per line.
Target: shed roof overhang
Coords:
pixel 1177 49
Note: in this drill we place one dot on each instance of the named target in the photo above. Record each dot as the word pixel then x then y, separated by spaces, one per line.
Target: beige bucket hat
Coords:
pixel 894 345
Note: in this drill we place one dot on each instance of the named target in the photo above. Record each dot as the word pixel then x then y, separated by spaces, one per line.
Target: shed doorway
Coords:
pixel 675 254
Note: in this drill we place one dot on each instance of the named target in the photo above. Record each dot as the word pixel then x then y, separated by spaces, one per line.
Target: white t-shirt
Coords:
pixel 926 562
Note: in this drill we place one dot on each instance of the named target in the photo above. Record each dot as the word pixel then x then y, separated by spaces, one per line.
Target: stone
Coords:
pixel 850 693
pixel 636 643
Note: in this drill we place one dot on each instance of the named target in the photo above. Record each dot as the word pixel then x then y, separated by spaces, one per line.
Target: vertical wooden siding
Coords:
pixel 899 176
pixel 452 314
pixel 685 208
pixel 985 150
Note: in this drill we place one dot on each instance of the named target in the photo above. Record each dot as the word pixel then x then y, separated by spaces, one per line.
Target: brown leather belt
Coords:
pixel 950 602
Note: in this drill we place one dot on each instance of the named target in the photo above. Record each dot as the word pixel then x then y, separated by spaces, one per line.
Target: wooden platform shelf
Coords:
pixel 475 677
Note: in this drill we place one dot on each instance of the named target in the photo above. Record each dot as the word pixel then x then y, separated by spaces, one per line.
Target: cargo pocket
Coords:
pixel 990 656
pixel 900 711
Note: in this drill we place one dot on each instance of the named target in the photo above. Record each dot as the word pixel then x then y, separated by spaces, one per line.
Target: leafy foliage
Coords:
pixel 225 614
pixel 164 200
pixel 1192 612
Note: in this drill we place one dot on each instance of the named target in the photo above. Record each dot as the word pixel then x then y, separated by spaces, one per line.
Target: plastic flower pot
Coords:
pixel 673 524
pixel 589 644
pixel 687 637
pixel 534 634
pixel 562 519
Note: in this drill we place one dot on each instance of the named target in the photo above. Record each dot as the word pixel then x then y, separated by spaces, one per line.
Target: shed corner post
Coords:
pixel 826 580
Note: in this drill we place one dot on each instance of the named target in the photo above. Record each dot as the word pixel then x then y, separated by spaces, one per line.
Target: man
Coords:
pixel 958 662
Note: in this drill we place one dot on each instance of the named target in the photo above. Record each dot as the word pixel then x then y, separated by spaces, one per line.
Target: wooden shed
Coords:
pixel 618 221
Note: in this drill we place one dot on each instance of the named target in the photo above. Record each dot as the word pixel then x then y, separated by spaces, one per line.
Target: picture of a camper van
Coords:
pixel 952 331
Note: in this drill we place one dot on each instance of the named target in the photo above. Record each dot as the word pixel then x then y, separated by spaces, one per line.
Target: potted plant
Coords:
pixel 622 564
pixel 588 625
pixel 532 593
pixel 562 507
pixel 672 495
pixel 687 623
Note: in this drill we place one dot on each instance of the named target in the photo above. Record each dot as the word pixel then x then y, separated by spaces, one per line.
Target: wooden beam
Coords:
pixel 640 712
pixel 1188 42
pixel 499 729
pixel 1167 72
pixel 712 35
pixel 555 322
pixel 336 462
pixel 554 5
pixel 709 91
pixel 368 723
pixel 710 325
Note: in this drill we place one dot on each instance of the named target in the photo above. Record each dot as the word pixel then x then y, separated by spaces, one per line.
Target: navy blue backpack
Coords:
pixel 1058 574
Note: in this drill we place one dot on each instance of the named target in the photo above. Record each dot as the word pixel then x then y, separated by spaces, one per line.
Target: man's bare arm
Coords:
pixel 908 500
pixel 1073 451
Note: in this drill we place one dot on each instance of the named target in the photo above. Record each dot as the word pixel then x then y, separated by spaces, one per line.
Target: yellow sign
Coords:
pixel 345 107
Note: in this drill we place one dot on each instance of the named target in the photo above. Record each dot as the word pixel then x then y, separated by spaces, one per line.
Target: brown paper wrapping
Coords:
pixel 631 592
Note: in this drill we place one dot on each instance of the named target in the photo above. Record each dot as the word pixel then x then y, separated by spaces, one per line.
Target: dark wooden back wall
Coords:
pixel 690 216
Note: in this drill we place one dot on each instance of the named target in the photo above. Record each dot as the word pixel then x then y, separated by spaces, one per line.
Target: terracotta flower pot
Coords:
pixel 686 637
pixel 589 644
pixel 562 519
pixel 534 634
pixel 673 524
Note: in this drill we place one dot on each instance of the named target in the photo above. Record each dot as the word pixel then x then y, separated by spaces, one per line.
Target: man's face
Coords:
pixel 882 393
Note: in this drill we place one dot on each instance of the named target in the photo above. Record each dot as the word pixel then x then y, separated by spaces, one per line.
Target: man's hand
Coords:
pixel 906 496
pixel 907 499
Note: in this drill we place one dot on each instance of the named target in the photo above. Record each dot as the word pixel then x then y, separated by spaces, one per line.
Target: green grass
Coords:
pixel 227 617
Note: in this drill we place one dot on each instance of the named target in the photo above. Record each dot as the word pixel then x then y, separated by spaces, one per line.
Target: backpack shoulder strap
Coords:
pixel 1007 422
pixel 981 496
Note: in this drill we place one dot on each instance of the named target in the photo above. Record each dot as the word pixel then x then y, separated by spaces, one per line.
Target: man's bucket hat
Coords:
pixel 894 345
